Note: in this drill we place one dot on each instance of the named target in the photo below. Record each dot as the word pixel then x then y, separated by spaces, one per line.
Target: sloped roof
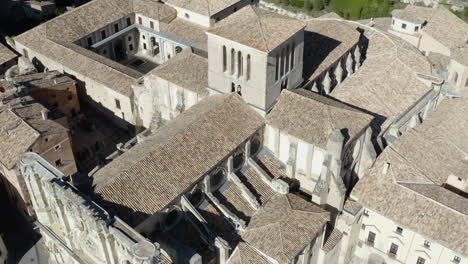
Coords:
pixel 186 70
pixel 284 226
pixel 54 39
pixel 312 117
pixel 16 137
pixel 442 24
pixel 447 28
pixel 413 13
pixel 333 239
pixel 257 28
pixel 325 41
pixel 245 254
pixel 386 84
pixel 6 54
pixel 165 165
pixel 418 164
pixel 203 7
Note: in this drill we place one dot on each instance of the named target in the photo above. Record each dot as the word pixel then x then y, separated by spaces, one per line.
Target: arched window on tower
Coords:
pixel 277 67
pixel 224 59
pixel 282 63
pixel 248 67
pixel 240 65
pixel 233 61
pixel 455 78
pixel 292 55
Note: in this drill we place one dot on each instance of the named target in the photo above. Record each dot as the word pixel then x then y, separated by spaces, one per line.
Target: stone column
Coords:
pixel 349 65
pixel 339 73
pixel 314 87
pixel 327 83
pixel 223 249
pixel 357 57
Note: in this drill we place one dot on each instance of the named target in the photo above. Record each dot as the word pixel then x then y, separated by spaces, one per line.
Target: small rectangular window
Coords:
pixel 103 34
pixel 144 45
pixel 116 27
pixel 57 147
pixel 117 103
pixel 416 29
pixel 140 21
pixel 152 24
pixel 399 230
pixel 393 249
pixel 129 21
pixel 403 26
pixel 371 238
pixel 90 42
pixel 420 261
pixel 130 47
pixel 393 21
pixel 427 244
pixel 59 163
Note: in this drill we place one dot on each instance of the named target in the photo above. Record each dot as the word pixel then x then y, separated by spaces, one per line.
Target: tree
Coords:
pixel 308 5
pixel 318 5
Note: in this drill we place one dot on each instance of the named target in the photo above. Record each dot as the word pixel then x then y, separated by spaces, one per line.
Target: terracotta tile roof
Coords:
pixel 325 41
pixel 41 80
pixel 442 24
pixel 284 226
pixel 460 54
pixel 165 165
pixel 188 31
pixel 257 28
pixel 447 28
pixel 352 207
pixel 418 164
pixel 256 185
pixel 54 39
pixel 232 198
pixel 440 195
pixel 415 14
pixel 220 225
pixel 386 84
pixel 16 137
pixel 164 260
pixel 245 254
pixel 6 54
pixel 312 117
pixel 333 239
pixel 203 7
pixel 186 70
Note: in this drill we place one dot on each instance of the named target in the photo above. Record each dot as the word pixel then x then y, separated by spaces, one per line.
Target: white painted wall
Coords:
pixel 191 16
pixel 261 89
pixel 410 244
pixel 461 72
pixel 404 26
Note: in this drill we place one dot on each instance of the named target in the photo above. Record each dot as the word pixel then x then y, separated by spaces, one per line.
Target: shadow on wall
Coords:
pixel 316 49
pixel 128 215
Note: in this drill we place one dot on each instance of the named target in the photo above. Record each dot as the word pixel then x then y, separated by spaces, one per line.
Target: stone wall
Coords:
pixel 75 229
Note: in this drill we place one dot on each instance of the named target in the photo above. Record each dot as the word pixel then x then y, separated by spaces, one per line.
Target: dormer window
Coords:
pixel 399 230
pixel 456 259
pixel 427 244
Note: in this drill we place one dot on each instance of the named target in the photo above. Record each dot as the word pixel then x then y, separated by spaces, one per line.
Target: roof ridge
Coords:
pixel 208 6
pixel 261 28
pixel 408 163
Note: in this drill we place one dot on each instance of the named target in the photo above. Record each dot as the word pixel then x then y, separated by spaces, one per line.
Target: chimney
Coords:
pixel 44 114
